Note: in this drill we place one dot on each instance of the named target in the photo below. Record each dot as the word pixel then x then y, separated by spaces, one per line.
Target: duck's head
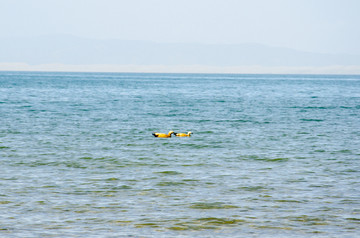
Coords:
pixel 189 133
pixel 171 132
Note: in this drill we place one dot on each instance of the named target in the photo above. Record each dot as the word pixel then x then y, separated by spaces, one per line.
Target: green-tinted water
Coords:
pixel 270 155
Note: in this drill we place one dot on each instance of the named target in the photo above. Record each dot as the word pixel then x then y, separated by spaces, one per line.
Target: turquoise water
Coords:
pixel 270 155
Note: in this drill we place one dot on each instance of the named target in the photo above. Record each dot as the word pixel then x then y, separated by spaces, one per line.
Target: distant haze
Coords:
pixel 71 50
pixel 192 33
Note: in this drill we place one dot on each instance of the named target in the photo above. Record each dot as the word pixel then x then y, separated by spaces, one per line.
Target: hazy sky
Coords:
pixel 331 26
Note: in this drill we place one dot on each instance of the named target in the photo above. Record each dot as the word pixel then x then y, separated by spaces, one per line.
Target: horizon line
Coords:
pixel 200 69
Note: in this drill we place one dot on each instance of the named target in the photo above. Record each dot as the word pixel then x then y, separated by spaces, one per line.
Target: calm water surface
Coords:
pixel 270 155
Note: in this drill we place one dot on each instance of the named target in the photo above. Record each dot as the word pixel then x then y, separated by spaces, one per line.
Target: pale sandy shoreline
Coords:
pixel 256 69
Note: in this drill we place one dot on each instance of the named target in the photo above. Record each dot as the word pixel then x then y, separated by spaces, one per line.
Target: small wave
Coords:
pixel 234 120
pixel 309 120
pixel 273 227
pixel 124 187
pixel 253 188
pixel 202 146
pixel 344 151
pixel 169 172
pixel 288 201
pixel 197 164
pixel 308 219
pixel 315 108
pixel 4 202
pixel 170 183
pixel 273 159
pixel 212 205
pixel 207 132
pixel 147 224
pixel 206 223
pixel 221 221
pixel 324 107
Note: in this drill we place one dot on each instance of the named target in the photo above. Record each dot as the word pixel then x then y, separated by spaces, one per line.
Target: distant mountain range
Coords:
pixel 66 49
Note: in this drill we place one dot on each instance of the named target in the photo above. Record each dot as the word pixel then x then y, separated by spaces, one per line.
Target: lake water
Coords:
pixel 270 155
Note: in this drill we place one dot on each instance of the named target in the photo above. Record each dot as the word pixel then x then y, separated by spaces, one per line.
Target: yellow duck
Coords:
pixel 183 134
pixel 163 135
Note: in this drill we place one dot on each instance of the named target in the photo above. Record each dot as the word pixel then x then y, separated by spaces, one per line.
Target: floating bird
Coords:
pixel 183 134
pixel 163 135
